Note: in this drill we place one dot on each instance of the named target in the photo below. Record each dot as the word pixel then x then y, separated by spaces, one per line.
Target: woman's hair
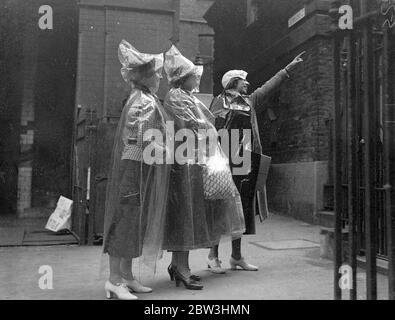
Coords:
pixel 232 84
pixel 142 72
pixel 179 82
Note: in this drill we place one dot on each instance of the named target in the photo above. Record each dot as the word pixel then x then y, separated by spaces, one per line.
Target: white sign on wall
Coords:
pixel 297 17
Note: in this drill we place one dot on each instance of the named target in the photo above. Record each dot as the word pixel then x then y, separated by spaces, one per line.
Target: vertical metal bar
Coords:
pixel 352 163
pixel 369 165
pixel 358 110
pixel 337 161
pixel 76 191
pixel 389 158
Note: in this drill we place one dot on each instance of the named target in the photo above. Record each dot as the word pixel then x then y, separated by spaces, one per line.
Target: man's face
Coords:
pixel 242 86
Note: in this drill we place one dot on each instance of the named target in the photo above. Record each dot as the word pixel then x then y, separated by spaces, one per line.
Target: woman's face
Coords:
pixel 191 83
pixel 242 86
pixel 153 81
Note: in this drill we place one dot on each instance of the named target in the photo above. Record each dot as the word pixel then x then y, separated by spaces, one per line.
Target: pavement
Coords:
pixel 286 251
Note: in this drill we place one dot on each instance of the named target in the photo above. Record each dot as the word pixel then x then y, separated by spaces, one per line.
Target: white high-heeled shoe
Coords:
pixel 136 286
pixel 120 290
pixel 242 264
pixel 214 265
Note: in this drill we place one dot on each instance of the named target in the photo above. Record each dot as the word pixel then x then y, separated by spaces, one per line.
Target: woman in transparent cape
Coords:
pixel 137 187
pixel 195 217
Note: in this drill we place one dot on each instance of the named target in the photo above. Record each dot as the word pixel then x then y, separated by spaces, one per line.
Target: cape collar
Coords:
pixel 235 101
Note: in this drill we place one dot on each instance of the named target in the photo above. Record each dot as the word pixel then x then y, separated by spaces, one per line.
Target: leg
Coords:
pixel 115 270
pixel 236 249
pixel 173 265
pixel 174 258
pixel 213 252
pixel 182 272
pixel 237 259
pixel 213 263
pixel 115 285
pixel 180 259
pixel 131 282
pixel 126 268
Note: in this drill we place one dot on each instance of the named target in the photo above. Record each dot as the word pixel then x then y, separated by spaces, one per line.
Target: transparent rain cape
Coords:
pixel 193 221
pixel 137 193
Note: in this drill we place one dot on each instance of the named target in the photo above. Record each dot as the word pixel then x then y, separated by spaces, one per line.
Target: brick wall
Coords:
pixel 194 9
pixel 299 130
pixel 189 38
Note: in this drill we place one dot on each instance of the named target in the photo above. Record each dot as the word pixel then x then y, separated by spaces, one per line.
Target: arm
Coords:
pixel 260 95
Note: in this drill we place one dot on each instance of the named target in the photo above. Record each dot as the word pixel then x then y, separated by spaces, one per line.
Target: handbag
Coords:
pixel 217 180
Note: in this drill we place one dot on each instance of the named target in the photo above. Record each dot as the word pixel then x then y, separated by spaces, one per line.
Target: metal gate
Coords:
pixel 364 142
pixel 84 169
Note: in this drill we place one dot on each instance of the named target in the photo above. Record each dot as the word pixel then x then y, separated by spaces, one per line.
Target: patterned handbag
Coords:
pixel 218 183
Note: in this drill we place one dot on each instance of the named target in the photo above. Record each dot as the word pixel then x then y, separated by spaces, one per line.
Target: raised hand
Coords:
pixel 298 59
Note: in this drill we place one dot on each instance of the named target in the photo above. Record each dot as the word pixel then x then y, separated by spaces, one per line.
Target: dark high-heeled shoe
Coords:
pixel 187 282
pixel 171 274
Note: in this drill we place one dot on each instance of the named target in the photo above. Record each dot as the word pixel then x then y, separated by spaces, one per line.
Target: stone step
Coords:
pixel 326 219
pixel 327 242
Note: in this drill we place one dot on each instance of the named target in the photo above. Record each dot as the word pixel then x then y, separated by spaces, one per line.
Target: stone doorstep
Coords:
pixel 327 250
pixel 327 242
pixel 325 218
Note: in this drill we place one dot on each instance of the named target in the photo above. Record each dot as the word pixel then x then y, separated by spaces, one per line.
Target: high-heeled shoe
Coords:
pixel 242 264
pixel 214 265
pixel 136 286
pixel 120 290
pixel 187 282
pixel 171 274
